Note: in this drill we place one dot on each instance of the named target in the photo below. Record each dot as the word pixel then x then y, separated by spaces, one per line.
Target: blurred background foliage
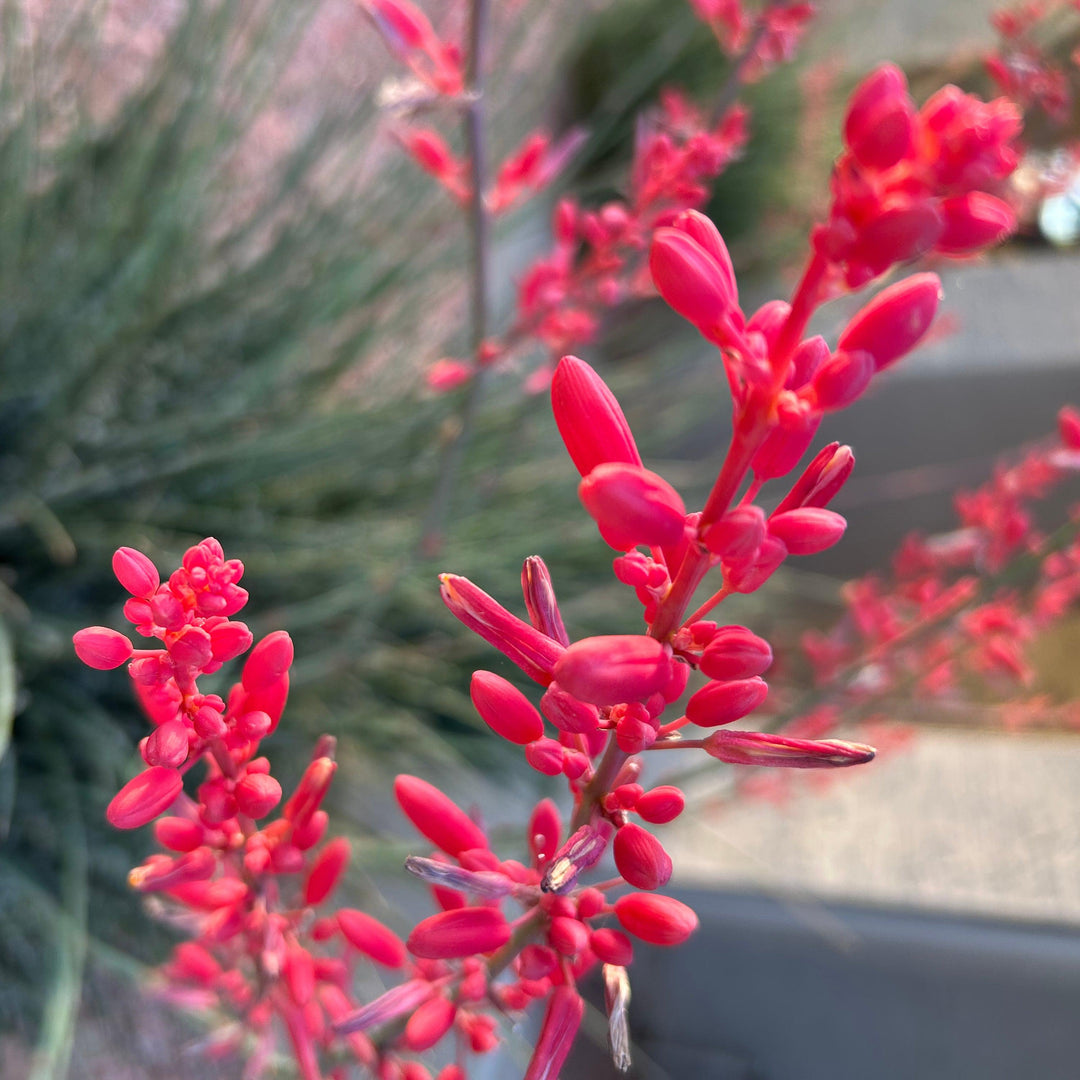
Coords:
pixel 220 284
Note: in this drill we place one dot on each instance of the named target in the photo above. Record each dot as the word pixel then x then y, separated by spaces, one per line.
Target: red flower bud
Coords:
pixel 534 652
pixel 719 703
pixel 614 669
pixel 257 794
pixel 738 534
pixel 661 804
pixel 797 423
pixel 692 282
pixel 545 756
pixel 735 653
pixel 135 572
pixel 326 871
pixel 145 796
pixel 557 1032
pixel 567 713
pixel 808 530
pixel 429 1024
pixel 821 480
pixel 464 932
pixel 641 858
pixel 632 506
pixel 1069 427
pixel 842 379
pixel 179 834
pixel 505 709
pixel 748 577
pixel 436 816
pixel 880 123
pixel 778 751
pixel 101 648
pixel 369 936
pixel 611 947
pixel 167 745
pixel 659 920
pixel 540 599
pixel 973 222
pixel 268 662
pixel 589 418
pixel 191 648
pixel 707 236
pixel 228 640
pixel 895 320
pixel 544 832
pixel 568 936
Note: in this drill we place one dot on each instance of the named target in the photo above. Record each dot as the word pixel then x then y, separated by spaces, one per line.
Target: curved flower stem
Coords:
pixel 479 225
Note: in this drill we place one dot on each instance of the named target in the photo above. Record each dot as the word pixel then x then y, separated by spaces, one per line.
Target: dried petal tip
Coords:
pixel 101 648
pixel 777 751
pixel 580 852
pixel 614 669
pixel 659 920
pixel 617 1000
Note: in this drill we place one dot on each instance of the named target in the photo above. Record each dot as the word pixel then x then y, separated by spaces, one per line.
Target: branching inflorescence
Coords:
pixel 251 889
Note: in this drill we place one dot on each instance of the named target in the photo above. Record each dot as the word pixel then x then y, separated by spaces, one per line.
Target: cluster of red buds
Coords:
pixel 1021 66
pixel 767 37
pixel 247 891
pixel 597 256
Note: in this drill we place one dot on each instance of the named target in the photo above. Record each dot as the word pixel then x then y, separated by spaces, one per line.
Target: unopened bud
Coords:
pixel 614 669
pixel 735 653
pixel 101 648
pixel 505 709
pixel 808 530
pixel 641 858
pixel 778 751
pixel 719 703
pixel 659 920
pixel 437 817
pixel 372 938
pixel 463 932
pixel 145 796
pixel 590 421
pixel 135 572
pixel 892 324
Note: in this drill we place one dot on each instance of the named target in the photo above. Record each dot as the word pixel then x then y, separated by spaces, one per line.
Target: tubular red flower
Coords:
pixel 692 282
pixel 614 669
pixel 540 599
pixel 974 221
pixel 821 480
pixel 779 751
pixel 429 1023
pixel 880 123
pixel 534 652
pixel 269 661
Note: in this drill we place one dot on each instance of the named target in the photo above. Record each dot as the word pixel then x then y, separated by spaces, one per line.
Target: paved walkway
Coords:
pixel 981 823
